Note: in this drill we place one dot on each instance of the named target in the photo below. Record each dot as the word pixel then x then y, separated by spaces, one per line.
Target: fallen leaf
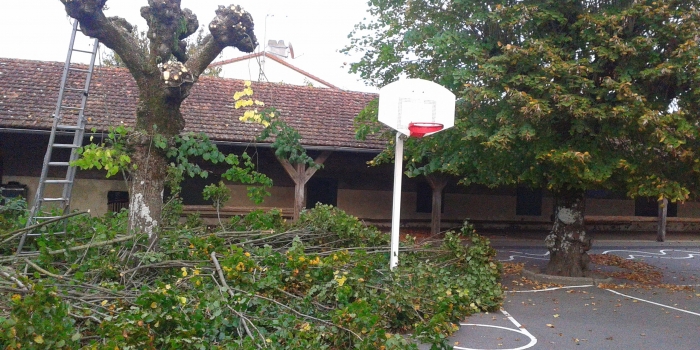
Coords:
pixel 550 325
pixel 556 315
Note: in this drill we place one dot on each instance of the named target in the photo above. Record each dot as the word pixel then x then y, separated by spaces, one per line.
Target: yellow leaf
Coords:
pixel 154 305
pixel 39 339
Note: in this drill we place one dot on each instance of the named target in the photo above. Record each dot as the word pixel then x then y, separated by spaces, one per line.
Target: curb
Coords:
pixel 540 277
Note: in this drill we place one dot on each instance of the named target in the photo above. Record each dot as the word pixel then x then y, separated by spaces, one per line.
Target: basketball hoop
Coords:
pixel 420 129
pixel 417 108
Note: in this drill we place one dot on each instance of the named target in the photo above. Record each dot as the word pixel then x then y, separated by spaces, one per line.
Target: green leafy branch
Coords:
pixel 287 140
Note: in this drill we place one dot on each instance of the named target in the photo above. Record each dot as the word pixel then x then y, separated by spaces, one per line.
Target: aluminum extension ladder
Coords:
pixel 68 119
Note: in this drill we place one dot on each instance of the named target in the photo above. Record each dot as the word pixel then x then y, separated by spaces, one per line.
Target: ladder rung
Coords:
pixel 58 181
pixel 76 108
pixel 79 70
pixel 54 199
pixel 68 127
pixel 59 163
pixel 65 145
pixel 83 51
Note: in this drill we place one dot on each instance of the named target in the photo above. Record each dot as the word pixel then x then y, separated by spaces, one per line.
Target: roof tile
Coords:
pixel 323 117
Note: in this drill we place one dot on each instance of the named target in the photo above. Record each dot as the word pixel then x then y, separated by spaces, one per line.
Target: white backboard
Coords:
pixel 415 101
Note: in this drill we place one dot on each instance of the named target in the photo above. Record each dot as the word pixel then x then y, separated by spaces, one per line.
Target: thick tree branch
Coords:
pixel 168 25
pixel 112 32
pixel 232 26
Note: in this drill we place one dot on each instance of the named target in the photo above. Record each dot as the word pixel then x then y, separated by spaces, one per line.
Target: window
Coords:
pixel 650 207
pixel 117 200
pixel 321 190
pixel 424 198
pixel 528 201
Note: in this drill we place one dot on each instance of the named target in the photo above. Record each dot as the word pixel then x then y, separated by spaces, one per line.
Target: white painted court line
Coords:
pixel 548 289
pixel 662 254
pixel 526 256
pixel 520 329
pixel 654 303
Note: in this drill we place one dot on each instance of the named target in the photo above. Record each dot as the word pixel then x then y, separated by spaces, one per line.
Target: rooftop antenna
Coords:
pixel 261 73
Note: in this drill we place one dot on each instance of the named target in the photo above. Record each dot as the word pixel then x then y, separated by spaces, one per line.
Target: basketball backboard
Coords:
pixel 415 101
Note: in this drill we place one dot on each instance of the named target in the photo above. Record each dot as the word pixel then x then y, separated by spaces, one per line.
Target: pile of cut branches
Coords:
pixel 320 283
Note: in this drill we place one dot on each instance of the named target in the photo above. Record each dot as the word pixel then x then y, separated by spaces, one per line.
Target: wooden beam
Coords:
pixel 437 183
pixel 300 174
pixel 319 161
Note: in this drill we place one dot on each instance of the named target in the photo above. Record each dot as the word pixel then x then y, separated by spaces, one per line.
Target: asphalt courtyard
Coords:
pixel 610 313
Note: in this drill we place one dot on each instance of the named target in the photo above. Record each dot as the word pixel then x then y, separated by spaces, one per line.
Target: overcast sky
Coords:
pixel 40 30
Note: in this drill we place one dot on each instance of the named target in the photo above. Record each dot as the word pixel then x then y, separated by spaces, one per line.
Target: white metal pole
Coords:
pixel 396 207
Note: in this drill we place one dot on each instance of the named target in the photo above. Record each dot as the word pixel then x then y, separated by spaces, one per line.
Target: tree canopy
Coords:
pixel 564 95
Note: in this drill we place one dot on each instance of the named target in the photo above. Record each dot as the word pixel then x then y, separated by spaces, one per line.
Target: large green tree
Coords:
pixel 557 94
pixel 164 74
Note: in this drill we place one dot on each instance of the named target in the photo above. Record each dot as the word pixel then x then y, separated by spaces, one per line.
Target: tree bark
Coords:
pixel 146 190
pixel 568 242
pixel 663 212
pixel 437 183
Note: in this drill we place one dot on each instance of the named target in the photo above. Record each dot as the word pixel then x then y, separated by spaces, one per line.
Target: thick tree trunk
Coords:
pixel 663 212
pixel 568 242
pixel 147 182
pixel 158 112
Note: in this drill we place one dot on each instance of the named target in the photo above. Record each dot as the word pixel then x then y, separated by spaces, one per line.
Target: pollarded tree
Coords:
pixel 560 94
pixel 164 75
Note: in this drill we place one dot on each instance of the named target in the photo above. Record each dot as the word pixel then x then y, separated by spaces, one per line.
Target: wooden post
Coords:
pixel 300 174
pixel 663 211
pixel 437 183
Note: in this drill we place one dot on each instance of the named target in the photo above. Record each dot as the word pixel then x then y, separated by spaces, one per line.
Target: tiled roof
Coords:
pixel 324 117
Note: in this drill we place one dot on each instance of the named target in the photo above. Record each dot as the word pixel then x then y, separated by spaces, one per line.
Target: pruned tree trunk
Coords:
pixel 146 189
pixel 437 183
pixel 164 75
pixel 568 241
pixel 663 212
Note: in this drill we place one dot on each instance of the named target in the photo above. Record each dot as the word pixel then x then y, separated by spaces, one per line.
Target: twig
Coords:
pixel 60 277
pixel 299 313
pixel 230 293
pixel 41 224
pixel 245 321
pixel 300 298
pixel 76 248
pixel 14 279
pixel 163 264
pixel 131 253
pixel 85 317
pixel 221 274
